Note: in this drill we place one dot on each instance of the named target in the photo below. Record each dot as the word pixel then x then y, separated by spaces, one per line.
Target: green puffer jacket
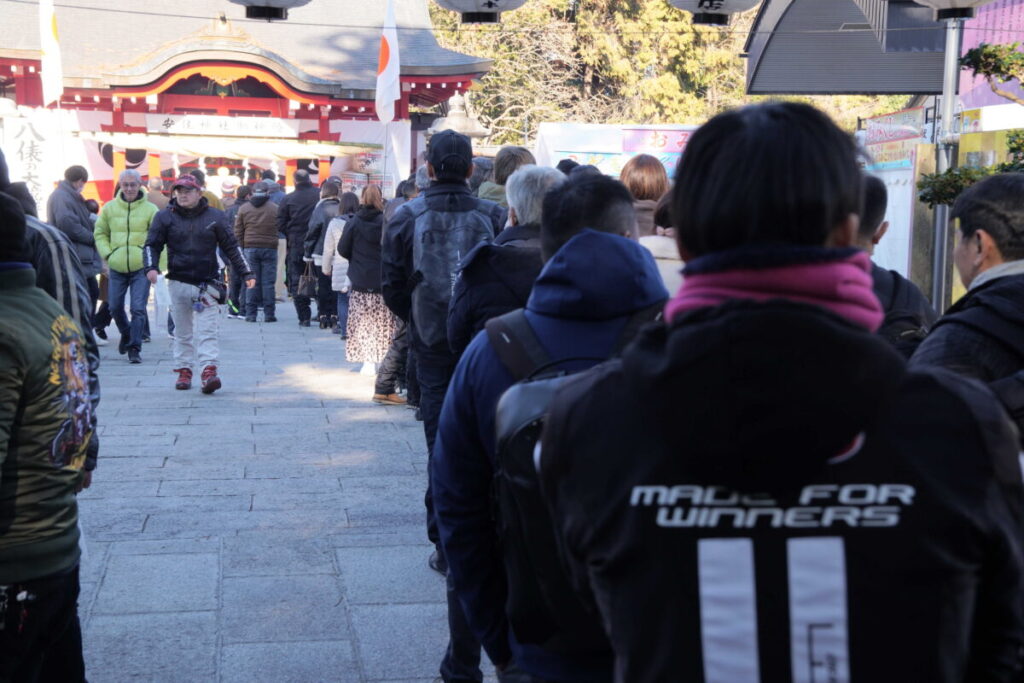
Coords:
pixel 45 429
pixel 121 231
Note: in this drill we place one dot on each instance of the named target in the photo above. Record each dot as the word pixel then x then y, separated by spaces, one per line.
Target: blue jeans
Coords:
pixel 342 312
pixel 137 286
pixel 264 268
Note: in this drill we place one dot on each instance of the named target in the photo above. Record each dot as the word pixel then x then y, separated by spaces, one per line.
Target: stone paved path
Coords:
pixel 270 532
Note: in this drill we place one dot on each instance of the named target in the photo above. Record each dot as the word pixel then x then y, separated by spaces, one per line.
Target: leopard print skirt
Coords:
pixel 371 325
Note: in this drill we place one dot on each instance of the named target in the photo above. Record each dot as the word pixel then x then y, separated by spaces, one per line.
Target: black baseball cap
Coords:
pixel 448 145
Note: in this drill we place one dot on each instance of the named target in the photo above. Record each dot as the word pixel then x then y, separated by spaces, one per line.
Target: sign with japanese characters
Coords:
pixel 240 126
pixel 901 125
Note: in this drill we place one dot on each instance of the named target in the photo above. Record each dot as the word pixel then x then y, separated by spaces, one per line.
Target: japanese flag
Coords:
pixel 52 72
pixel 388 88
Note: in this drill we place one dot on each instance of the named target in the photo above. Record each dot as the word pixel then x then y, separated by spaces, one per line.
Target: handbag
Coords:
pixel 307 282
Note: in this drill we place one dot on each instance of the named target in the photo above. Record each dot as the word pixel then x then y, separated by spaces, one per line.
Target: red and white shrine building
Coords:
pixel 165 88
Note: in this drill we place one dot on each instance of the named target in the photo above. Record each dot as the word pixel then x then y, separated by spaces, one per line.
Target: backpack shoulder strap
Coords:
pixel 635 322
pixel 517 346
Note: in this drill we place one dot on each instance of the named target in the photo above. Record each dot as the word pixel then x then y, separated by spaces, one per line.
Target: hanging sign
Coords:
pixel 241 126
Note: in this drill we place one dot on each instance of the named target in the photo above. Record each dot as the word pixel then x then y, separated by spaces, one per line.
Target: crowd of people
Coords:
pixel 677 429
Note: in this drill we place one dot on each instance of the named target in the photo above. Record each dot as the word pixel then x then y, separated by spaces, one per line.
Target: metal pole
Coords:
pixel 944 161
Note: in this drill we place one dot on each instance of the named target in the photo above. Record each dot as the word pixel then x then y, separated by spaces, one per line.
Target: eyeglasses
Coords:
pixel 131 185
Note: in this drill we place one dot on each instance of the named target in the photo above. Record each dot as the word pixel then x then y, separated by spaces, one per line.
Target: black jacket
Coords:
pixel 360 244
pixel 323 212
pixel 908 315
pixel 192 237
pixel 449 212
pixel 294 212
pixel 981 335
pixel 773 489
pixel 494 279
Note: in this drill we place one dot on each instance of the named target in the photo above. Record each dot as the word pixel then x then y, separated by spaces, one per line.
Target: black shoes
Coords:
pixel 250 319
pixel 303 323
pixel 437 563
pixel 134 356
pixel 270 319
pixel 122 346
pixel 101 333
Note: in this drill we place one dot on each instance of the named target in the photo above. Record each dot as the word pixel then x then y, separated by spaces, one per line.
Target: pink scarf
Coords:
pixel 842 286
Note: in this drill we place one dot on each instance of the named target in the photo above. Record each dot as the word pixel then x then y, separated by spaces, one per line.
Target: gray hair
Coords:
pixel 130 173
pixel 526 188
pixel 156 183
pixel 422 178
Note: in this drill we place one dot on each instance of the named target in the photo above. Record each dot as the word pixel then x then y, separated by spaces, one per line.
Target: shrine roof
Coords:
pixel 328 46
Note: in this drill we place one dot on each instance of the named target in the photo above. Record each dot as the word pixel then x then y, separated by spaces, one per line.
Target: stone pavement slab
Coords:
pixel 271 532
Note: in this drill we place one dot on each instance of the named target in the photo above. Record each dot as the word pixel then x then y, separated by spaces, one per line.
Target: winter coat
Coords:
pixel 493 280
pixel 293 214
pixel 492 191
pixel 759 449
pixel 46 421
pixel 981 335
pixel 214 201
pixel 158 199
pixel 121 231
pixel 67 211
pixel 360 245
pixel 192 237
pixel 256 224
pixel 666 254
pixel 644 209
pixel 578 308
pixel 59 274
pixel 446 208
pixel 334 264
pixel 324 211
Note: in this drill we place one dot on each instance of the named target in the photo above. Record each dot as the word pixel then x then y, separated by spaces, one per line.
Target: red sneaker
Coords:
pixel 184 379
pixel 211 382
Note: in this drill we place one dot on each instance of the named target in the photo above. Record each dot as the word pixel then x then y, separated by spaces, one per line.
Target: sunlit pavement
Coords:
pixel 270 532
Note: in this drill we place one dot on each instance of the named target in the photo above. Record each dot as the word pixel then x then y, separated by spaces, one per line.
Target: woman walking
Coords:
pixel 371 325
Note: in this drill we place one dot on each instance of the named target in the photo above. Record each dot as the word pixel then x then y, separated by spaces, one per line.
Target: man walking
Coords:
pixel 293 216
pixel 121 232
pixel 256 231
pixel 45 429
pixel 192 230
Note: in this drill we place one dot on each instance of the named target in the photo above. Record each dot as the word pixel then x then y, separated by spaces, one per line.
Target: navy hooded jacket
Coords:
pixel 578 308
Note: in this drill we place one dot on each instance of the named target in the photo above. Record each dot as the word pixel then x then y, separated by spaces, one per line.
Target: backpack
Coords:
pixel 440 241
pixel 542 607
pixel 903 326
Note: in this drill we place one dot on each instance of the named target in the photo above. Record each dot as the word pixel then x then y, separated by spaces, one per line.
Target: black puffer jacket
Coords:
pixel 294 212
pixel 192 237
pixel 360 244
pixel 728 474
pixel 323 212
pixel 494 279
pixel 981 335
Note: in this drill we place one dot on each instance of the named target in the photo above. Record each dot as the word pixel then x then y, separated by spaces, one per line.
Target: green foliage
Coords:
pixel 997 64
pixel 944 188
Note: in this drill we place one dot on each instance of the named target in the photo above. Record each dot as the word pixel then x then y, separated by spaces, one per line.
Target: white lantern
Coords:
pixel 269 9
pixel 713 11
pixel 953 9
pixel 481 11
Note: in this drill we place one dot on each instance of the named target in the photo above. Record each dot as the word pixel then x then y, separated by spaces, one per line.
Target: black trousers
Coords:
pixel 326 298
pixel 41 639
pixel 392 368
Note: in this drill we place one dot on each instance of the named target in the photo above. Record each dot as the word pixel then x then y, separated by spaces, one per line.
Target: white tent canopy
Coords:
pixel 190 146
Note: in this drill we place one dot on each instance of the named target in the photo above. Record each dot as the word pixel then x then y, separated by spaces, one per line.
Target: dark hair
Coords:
pixel 349 203
pixel 566 165
pixel 597 202
pixel 268 175
pixel 876 199
pixel 75 173
pixel 198 175
pixel 779 173
pixel 242 192
pixel 663 212
pixel 585 170
pixel 330 188
pixel 995 205
pixel 12 229
pixel 92 205
pixel 408 189
pixel 508 160
pixel 645 177
pixel 453 170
